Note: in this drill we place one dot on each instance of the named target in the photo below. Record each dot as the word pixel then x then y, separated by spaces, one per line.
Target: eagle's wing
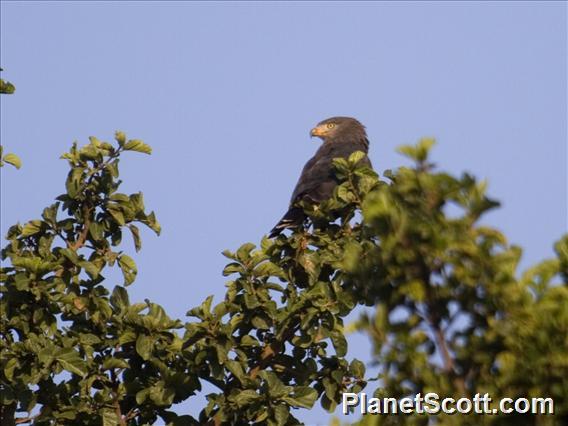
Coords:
pixel 316 172
pixel 317 181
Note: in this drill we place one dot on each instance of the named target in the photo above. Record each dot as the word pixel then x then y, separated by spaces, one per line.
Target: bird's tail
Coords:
pixel 292 219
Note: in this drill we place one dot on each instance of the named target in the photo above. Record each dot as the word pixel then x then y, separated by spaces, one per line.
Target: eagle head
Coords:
pixel 336 127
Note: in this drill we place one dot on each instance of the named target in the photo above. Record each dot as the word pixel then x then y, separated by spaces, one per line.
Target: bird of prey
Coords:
pixel 341 137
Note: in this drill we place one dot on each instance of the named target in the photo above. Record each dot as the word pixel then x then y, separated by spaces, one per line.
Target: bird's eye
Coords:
pixel 330 125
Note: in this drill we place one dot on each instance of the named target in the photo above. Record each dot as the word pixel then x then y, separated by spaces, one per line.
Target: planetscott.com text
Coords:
pixel 432 403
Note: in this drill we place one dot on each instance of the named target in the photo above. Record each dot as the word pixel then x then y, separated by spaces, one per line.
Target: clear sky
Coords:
pixel 226 94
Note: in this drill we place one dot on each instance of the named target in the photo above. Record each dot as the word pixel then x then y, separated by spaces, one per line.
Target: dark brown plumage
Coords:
pixel 341 137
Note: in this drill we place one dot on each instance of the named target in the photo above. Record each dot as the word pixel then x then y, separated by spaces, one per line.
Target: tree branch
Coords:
pixel 434 320
pixel 118 411
pixel 85 231
pixel 270 351
pixel 449 365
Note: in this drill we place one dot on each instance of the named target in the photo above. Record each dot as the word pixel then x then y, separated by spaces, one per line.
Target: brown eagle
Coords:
pixel 341 137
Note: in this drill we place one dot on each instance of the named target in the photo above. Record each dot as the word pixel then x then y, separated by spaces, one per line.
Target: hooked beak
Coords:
pixel 316 131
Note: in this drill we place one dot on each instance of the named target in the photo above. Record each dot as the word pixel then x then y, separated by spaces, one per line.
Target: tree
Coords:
pixel 450 315
pixel 58 317
pixel 466 323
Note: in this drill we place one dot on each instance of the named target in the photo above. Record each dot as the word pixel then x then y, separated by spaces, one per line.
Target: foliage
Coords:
pixel 450 313
pixel 81 353
pixel 7 88
pixel 270 345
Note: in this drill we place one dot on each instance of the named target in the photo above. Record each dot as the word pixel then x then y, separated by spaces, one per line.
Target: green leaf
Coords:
pixel 110 417
pixel 119 298
pixel 6 88
pixel 419 152
pixel 50 213
pixel 162 395
pixel 128 267
pixel 423 148
pixel 96 231
pixel 66 414
pixel 355 157
pixel 89 339
pixel 235 368
pixel 91 151
pixel 247 340
pixel 263 415
pixel 345 193
pixel 138 146
pixel 243 253
pixel 71 255
pixel 142 395
pixel 120 137
pixel 31 228
pixel 117 215
pixel 246 397
pixel 90 268
pixel 339 343
pixel 251 301
pixel 135 236
pixel 260 322
pixel 303 397
pixel 13 159
pixel 10 368
pixel 408 151
pixel 229 254
pixel 233 268
pixel 111 363
pixel 119 197
pixel 281 414
pixel 144 346
pixel 74 181
pixel 341 165
pixel 330 387
pixel 71 361
pixel 357 369
pixel 269 269
pixel 276 388
pixel 112 168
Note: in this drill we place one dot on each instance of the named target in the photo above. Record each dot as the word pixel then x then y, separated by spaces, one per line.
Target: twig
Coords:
pixel 121 419
pixel 270 351
pixel 85 231
pixel 441 343
pixel 25 419
pixel 449 365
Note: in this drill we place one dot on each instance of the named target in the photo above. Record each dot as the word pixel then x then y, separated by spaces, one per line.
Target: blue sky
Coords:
pixel 226 93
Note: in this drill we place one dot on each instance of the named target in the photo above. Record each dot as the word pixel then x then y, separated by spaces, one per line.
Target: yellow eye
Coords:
pixel 330 125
